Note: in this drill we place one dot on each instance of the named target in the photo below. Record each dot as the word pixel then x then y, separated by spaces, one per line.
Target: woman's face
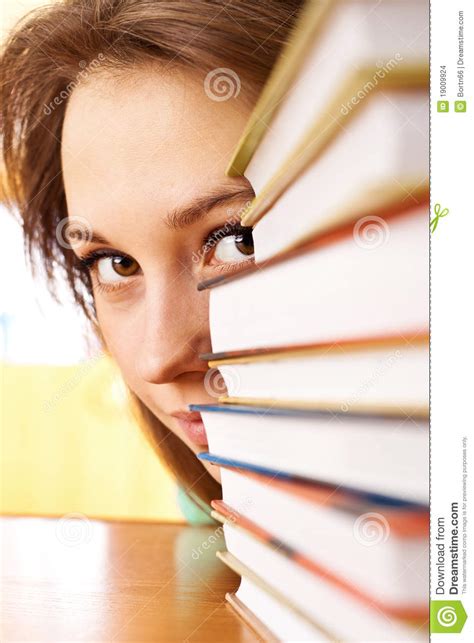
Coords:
pixel 143 158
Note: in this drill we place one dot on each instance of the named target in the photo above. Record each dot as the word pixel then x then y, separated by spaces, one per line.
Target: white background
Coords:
pixel 452 289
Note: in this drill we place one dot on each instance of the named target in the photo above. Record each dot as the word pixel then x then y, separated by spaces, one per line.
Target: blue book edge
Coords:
pixel 372 498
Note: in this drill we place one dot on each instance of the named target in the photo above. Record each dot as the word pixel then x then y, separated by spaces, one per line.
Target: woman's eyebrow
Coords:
pixel 197 208
pixel 201 205
pixel 97 238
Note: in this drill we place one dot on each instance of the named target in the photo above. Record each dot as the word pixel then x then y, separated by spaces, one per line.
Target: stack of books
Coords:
pixel 323 438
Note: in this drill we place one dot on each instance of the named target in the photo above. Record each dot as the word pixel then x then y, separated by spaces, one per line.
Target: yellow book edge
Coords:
pixel 417 412
pixel 356 346
pixel 250 619
pixel 310 22
pixel 327 127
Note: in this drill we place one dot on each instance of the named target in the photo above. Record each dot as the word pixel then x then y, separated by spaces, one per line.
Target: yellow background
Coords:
pixel 70 444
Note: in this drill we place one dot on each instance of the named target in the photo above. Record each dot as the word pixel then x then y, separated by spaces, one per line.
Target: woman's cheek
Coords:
pixel 120 330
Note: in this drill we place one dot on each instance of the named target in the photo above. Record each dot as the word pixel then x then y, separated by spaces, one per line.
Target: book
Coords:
pixel 392 131
pixel 381 454
pixel 271 616
pixel 318 599
pixel 277 474
pixel 376 374
pixel 377 549
pixel 322 342
pixel 265 607
pixel 341 287
pixel 337 50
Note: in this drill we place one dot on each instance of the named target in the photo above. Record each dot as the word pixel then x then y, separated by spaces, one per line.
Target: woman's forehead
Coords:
pixel 166 119
pixel 135 152
pixel 154 133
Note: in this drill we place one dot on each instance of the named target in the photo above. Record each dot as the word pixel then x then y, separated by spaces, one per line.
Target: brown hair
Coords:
pixel 49 52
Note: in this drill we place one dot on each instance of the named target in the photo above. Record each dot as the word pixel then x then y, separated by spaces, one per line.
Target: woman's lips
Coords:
pixel 192 425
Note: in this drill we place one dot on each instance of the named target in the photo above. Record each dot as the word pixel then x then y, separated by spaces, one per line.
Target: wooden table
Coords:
pixel 75 579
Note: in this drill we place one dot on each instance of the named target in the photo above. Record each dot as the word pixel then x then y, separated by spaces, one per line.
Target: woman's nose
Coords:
pixel 175 331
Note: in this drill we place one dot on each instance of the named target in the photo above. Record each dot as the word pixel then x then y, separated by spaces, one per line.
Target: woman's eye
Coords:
pixel 116 268
pixel 235 247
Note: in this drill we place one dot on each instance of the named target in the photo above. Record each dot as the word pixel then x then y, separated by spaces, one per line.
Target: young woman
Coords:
pixel 119 117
